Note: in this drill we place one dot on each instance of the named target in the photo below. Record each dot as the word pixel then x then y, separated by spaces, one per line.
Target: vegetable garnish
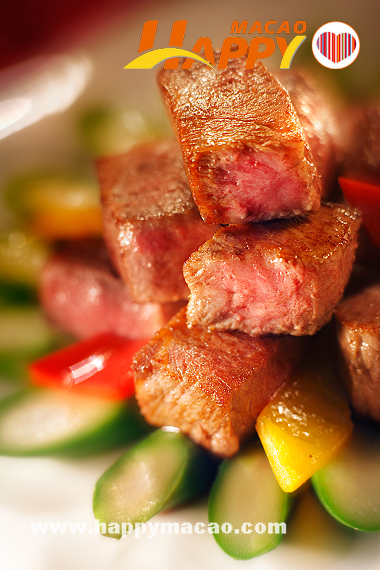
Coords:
pixel 106 131
pixel 304 426
pixel 246 497
pixel 349 486
pixel 161 471
pixel 22 257
pixel 79 408
pixel 25 335
pixel 55 206
pixel 45 422
pixel 365 196
pixel 99 366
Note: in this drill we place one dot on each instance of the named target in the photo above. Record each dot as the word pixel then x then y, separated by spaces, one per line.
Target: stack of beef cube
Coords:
pixel 223 230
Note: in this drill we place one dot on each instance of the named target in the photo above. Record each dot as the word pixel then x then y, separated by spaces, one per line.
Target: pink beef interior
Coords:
pixel 284 276
pixel 153 254
pixel 252 186
pixel 267 296
pixel 81 294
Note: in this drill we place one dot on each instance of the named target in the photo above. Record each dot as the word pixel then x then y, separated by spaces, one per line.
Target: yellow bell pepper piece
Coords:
pixel 304 426
pixel 55 206
pixel 67 224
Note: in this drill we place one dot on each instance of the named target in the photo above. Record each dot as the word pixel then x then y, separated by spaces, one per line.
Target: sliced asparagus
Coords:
pixel 24 336
pixel 41 422
pixel 24 329
pixel 349 486
pixel 247 505
pixel 161 471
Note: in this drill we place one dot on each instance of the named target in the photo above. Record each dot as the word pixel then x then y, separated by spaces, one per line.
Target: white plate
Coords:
pixel 52 490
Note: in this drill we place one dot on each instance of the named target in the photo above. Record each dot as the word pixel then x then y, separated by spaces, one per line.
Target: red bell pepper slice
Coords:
pixel 365 196
pixel 98 366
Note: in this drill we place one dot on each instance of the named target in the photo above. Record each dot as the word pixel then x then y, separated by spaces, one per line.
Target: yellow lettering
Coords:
pixel 290 51
pixel 282 44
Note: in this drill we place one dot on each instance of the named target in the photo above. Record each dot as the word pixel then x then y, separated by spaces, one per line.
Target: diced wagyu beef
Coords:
pixel 358 319
pixel 81 294
pixel 151 224
pixel 211 385
pixel 284 276
pixel 319 123
pixel 246 155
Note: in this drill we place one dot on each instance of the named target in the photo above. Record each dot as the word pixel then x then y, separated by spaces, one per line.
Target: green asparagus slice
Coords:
pixel 43 422
pixel 161 471
pixel 24 329
pixel 349 486
pixel 247 505
pixel 24 335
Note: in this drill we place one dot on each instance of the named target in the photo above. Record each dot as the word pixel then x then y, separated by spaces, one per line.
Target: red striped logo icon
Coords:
pixel 336 45
pixel 336 48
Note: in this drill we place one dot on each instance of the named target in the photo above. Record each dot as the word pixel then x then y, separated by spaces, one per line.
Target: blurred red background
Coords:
pixel 34 27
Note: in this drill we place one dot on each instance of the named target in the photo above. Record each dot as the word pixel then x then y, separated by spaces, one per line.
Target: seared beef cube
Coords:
pixel 359 338
pixel 80 292
pixel 211 385
pixel 319 123
pixel 285 276
pixel 151 224
pixel 245 152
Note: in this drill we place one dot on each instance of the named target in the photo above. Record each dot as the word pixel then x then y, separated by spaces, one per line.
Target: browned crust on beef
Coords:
pixel 318 120
pixel 285 276
pixel 358 319
pixel 151 224
pixel 155 170
pixel 213 110
pixel 211 385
